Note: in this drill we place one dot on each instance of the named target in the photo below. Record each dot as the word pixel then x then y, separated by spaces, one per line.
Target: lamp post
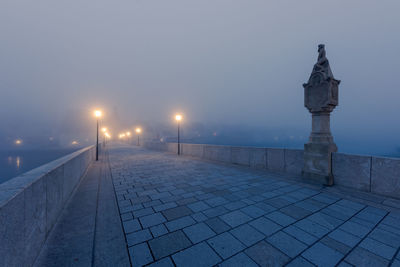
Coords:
pixel 138 131
pixel 178 118
pixel 97 114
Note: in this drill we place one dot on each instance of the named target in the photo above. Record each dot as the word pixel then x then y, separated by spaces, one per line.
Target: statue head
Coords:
pixel 320 47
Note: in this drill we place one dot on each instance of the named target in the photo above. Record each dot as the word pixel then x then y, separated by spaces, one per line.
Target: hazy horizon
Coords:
pixel 235 68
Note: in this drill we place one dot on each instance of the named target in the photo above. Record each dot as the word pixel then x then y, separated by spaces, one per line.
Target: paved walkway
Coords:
pixel 89 231
pixel 179 211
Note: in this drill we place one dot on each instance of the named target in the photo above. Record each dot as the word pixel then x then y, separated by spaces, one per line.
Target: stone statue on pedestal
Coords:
pixel 320 98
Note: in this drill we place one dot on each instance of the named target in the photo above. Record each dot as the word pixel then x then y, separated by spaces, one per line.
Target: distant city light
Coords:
pixel 138 130
pixel 18 142
pixel 104 129
pixel 121 136
pixel 107 135
pixel 74 143
pixel 97 113
pixel 128 133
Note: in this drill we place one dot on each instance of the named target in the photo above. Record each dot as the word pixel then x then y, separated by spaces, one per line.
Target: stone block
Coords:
pixel 276 159
pixel 218 153
pixel 168 244
pixel 322 255
pixel 294 161
pixel 385 176
pixel 172 147
pixel 352 171
pixel 54 195
pixel 241 155
pixel 225 245
pixel 198 255
pixel 34 219
pixel 194 150
pixel 258 158
pixel 140 255
pixel 11 231
pixel 71 177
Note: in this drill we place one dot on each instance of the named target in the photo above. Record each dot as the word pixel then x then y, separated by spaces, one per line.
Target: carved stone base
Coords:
pixel 318 162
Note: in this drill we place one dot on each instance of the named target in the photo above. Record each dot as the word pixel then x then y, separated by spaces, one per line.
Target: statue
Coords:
pixel 320 98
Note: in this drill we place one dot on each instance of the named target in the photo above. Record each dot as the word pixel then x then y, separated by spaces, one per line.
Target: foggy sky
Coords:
pixel 219 62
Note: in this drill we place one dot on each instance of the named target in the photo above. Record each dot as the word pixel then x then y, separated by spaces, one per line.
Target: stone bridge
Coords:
pixel 138 207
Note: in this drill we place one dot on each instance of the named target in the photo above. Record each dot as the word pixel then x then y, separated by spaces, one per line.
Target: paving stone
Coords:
pixel 396 263
pixel 151 220
pixel 265 254
pixel 280 218
pixel 158 230
pixel 287 244
pixel 131 226
pixel 199 217
pixel 225 245
pixel 344 237
pixel 235 205
pixel 310 205
pixel 138 237
pixel 179 223
pixel 312 228
pixel 378 248
pixel 350 204
pixel 239 260
pixel 295 212
pixel 300 235
pixel 217 225
pixel 253 211
pixel 336 245
pixel 362 257
pixel 198 206
pixel 278 202
pixel 168 244
pixel 165 262
pixel 300 262
pixel 186 201
pixel 385 237
pixel 355 229
pixel 198 232
pixel 213 212
pixel 142 212
pixel 216 201
pixel 265 226
pixel 126 216
pixel 322 255
pixel 175 213
pixel 197 256
pixel 160 195
pixel 235 218
pixel 267 208
pixel 166 206
pixel 325 220
pixel 152 203
pixel 140 255
pixel 247 234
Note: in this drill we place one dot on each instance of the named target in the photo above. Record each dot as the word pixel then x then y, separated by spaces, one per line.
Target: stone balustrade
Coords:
pixel 31 203
pixel 378 175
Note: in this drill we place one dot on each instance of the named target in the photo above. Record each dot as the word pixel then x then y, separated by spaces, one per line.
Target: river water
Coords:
pixel 16 162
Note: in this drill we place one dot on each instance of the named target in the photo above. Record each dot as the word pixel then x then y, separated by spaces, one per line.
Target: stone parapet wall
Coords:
pixel 378 175
pixel 31 203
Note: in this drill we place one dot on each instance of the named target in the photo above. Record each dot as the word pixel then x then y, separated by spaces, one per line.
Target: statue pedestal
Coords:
pixel 320 98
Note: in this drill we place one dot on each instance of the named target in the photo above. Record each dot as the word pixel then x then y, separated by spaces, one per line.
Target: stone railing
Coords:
pixel 379 175
pixel 31 203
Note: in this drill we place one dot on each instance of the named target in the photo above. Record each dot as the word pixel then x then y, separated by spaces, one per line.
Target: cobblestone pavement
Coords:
pixel 180 211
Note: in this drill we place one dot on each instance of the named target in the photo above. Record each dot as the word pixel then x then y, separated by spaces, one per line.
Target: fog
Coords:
pixel 233 68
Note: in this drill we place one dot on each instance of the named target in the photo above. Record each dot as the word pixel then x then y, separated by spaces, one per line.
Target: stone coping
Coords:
pixel 14 186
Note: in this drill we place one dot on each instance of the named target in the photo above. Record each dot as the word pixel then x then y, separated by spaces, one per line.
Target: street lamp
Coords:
pixel 138 131
pixel 97 114
pixel 178 118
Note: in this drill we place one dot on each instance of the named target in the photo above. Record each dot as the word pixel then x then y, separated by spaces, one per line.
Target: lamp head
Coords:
pixel 178 117
pixel 97 113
